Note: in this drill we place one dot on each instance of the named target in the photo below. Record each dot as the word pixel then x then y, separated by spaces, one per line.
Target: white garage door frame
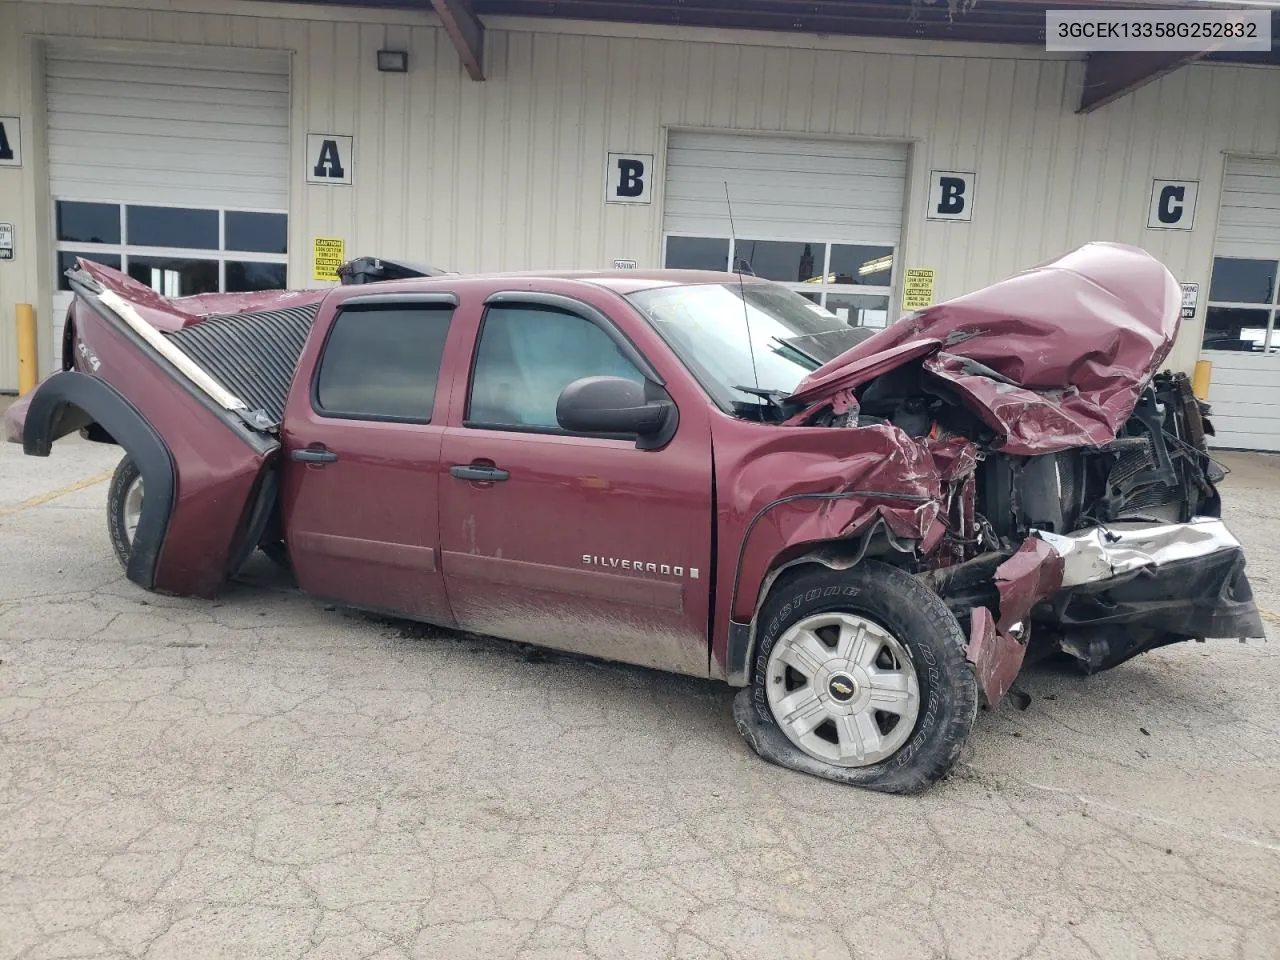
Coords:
pixel 1244 304
pixel 833 197
pixel 164 127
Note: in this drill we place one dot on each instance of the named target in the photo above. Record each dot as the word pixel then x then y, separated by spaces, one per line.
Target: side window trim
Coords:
pixel 367 303
pixel 580 308
pixel 400 300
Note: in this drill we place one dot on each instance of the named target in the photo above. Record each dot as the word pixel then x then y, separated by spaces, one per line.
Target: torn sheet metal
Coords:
pixel 1104 553
pixel 996 657
pixel 1026 578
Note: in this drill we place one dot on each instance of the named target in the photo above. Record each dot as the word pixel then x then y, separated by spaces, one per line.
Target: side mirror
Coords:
pixel 618 406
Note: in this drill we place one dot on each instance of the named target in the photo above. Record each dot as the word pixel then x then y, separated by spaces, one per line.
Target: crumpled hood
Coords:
pixel 1052 358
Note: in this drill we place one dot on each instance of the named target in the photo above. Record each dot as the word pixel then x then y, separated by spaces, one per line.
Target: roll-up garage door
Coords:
pixel 201 128
pixel 1242 329
pixel 822 216
pixel 170 163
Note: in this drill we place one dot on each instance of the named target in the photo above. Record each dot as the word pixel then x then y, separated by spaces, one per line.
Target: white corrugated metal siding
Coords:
pixel 193 128
pixel 785 188
pixel 1245 388
pixel 509 173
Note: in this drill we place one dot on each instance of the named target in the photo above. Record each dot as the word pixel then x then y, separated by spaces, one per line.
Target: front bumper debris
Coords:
pixel 1106 553
pixel 1112 592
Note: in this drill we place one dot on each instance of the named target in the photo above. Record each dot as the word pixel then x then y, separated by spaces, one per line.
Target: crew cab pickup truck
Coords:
pixel 701 473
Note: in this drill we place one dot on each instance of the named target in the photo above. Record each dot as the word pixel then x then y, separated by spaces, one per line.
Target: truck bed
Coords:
pixel 253 355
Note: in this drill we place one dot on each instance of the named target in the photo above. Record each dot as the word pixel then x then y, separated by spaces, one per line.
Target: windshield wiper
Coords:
pixel 789 345
pixel 765 393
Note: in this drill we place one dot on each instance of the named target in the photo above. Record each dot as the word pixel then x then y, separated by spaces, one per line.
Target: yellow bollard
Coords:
pixel 27 358
pixel 1200 379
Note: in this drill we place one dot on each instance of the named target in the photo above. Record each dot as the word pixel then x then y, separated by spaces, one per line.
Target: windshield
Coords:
pixel 709 328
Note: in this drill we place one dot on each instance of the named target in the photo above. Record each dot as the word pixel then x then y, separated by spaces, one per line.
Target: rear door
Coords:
pixel 361 456
pixel 581 543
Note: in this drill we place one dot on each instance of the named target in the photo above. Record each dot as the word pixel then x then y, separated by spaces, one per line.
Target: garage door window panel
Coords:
pixel 173 227
pixel 697 253
pixel 526 356
pixel 175 276
pixel 786 261
pixel 1244 305
pixel 176 251
pixel 382 364
pixel 852 281
pixel 257 232
pixel 88 223
pixel 246 277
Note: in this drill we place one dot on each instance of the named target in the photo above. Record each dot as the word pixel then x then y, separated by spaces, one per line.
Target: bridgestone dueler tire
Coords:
pixel 126 473
pixel 919 619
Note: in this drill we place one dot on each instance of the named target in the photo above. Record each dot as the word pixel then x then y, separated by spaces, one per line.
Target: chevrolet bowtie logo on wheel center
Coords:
pixel 842 688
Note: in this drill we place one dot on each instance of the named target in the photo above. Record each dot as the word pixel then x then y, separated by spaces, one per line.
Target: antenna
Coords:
pixel 742 288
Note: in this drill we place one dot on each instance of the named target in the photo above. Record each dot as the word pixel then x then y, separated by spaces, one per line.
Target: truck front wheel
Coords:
pixel 860 677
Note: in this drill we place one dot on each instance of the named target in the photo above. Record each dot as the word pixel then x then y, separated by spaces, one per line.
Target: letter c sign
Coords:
pixel 628 178
pixel 1173 204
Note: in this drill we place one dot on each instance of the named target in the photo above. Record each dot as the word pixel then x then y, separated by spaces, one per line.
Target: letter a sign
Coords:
pixel 10 142
pixel 330 158
pixel 628 178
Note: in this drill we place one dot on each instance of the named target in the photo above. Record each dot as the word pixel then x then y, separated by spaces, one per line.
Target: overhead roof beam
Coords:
pixel 1110 75
pixel 466 31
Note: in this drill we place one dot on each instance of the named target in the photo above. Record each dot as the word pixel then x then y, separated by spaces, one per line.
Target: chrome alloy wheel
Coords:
pixel 132 508
pixel 843 689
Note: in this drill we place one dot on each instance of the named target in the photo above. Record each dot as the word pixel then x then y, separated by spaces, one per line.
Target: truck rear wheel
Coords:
pixel 860 677
pixel 124 508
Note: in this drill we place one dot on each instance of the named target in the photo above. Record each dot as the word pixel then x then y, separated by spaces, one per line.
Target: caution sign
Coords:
pixel 917 288
pixel 328 256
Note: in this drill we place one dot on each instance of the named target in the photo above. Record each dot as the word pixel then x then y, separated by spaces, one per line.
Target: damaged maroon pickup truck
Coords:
pixel 701 473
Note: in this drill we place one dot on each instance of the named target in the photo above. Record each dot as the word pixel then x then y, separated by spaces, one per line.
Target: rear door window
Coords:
pixel 382 363
pixel 527 355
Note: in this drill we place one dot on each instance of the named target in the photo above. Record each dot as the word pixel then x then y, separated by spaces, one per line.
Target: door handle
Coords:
pixel 478 473
pixel 314 455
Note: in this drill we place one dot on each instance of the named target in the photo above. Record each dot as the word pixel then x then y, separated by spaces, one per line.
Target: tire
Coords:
pixel 122 484
pixel 895 699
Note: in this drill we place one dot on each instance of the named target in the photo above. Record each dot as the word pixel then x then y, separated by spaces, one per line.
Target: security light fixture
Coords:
pixel 393 61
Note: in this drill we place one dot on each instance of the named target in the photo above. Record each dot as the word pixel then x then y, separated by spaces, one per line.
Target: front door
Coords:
pixel 362 461
pixel 585 544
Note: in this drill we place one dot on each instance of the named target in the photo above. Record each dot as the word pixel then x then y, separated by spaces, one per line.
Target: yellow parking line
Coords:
pixel 1270 615
pixel 55 494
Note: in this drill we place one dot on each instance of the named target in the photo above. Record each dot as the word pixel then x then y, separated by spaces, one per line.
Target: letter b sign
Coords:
pixel 629 178
pixel 1173 204
pixel 951 195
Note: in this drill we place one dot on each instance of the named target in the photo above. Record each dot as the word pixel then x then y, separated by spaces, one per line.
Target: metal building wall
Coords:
pixel 509 173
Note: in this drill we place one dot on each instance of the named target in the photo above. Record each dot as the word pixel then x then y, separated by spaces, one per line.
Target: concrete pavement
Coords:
pixel 266 777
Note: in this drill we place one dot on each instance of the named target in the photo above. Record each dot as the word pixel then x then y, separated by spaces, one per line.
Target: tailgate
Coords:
pixel 204 455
